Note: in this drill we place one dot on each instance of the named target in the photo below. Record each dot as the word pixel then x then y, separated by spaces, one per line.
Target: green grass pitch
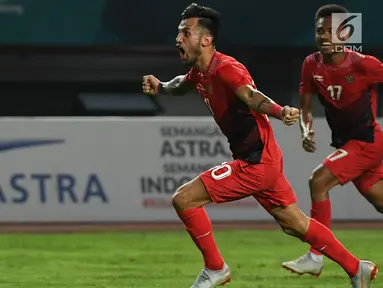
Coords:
pixel 166 259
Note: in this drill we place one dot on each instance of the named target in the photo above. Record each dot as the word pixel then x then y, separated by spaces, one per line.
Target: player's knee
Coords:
pixel 183 197
pixel 321 181
pixel 191 195
pixel 318 184
pixel 315 182
pixel 180 199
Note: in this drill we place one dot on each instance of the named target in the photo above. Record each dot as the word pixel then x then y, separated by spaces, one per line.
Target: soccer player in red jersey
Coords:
pixel 240 110
pixel 344 82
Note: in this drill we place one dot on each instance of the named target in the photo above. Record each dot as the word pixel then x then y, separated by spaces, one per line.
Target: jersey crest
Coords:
pixel 350 78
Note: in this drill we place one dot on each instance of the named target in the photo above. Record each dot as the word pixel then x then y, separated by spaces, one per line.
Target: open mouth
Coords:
pixel 326 44
pixel 181 50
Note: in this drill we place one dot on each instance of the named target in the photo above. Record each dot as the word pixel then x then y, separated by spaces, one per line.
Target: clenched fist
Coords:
pixel 289 115
pixel 150 85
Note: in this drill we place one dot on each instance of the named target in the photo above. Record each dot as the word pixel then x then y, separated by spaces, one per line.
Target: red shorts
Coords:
pixel 239 179
pixel 359 162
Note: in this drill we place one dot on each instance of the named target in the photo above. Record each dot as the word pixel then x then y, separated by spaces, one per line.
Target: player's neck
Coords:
pixel 204 60
pixel 335 58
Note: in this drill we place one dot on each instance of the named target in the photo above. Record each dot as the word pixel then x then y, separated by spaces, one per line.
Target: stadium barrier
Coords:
pixel 118 169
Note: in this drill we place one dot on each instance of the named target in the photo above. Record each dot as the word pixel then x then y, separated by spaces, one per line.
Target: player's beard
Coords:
pixel 194 55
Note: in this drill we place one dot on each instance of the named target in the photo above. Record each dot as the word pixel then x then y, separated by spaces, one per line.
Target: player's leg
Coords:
pixel 295 223
pixel 320 183
pixel 370 185
pixel 188 201
pixel 342 166
pixel 219 184
pixel 375 195
pixel 280 202
pixel 282 195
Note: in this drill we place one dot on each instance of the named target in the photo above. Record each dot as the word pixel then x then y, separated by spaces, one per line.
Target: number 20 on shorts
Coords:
pixel 221 171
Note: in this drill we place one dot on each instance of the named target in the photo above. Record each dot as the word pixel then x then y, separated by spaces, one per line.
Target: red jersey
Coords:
pixel 249 133
pixel 348 93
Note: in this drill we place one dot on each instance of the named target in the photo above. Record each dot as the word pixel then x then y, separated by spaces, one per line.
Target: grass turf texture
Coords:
pixel 167 259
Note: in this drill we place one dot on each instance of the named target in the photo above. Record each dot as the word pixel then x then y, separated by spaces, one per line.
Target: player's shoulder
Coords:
pixel 361 61
pixel 313 58
pixel 222 62
pixel 225 59
pixel 356 57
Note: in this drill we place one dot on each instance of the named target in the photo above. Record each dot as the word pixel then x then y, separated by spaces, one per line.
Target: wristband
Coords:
pixel 276 111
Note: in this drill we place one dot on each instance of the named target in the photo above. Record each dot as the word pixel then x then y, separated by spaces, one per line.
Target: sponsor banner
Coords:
pixel 117 169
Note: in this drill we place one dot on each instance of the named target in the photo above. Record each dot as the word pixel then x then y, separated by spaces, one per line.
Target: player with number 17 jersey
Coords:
pixel 250 138
pixel 347 92
pixel 344 83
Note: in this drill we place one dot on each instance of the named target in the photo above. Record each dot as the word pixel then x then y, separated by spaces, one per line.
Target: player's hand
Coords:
pixel 308 142
pixel 150 85
pixel 290 115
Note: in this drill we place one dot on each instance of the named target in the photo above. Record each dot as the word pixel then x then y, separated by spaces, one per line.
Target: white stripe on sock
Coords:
pixel 204 235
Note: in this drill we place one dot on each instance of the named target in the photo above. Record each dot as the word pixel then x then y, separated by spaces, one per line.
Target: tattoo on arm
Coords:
pixel 265 100
pixel 259 102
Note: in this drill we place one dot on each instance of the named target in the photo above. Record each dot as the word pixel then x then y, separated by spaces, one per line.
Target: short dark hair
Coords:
pixel 209 18
pixel 327 10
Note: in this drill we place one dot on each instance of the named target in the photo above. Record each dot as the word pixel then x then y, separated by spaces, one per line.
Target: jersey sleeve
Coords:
pixel 373 69
pixel 306 85
pixel 234 76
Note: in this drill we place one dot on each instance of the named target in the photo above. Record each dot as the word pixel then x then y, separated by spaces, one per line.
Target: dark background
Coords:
pixel 87 57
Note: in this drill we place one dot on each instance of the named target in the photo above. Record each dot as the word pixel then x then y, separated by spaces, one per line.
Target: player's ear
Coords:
pixel 207 40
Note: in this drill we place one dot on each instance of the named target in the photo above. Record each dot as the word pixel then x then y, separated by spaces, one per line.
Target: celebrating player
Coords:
pixel 240 110
pixel 345 84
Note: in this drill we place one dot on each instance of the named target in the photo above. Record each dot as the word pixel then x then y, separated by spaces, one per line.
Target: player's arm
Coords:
pixel 237 78
pixel 306 89
pixel 259 102
pixel 373 68
pixel 178 86
pixel 305 115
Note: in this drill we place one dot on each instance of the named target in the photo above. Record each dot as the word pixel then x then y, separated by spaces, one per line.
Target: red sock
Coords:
pixel 321 211
pixel 322 239
pixel 198 225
